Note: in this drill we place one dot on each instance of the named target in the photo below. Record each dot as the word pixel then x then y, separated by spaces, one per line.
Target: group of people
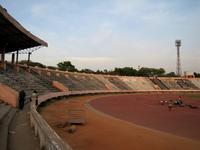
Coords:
pixel 172 103
pixel 22 98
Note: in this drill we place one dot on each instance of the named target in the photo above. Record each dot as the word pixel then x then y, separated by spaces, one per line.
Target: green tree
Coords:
pixel 99 72
pixel 66 66
pixel 197 75
pixel 170 74
pixel 151 72
pixel 126 71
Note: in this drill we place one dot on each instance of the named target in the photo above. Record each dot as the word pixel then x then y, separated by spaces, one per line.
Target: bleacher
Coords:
pixel 106 82
pixel 186 84
pixel 82 81
pixel 42 82
pixel 118 83
pixel 18 81
pixel 196 82
pixel 24 81
pixel 171 83
pixel 90 83
pixel 159 83
pixel 74 82
pixel 138 83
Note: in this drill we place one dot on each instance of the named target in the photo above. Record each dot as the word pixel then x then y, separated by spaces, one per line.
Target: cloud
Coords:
pixel 115 33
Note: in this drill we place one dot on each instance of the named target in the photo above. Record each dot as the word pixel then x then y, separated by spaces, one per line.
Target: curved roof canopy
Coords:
pixel 13 36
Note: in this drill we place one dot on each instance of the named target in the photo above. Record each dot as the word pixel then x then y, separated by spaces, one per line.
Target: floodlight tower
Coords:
pixel 178 69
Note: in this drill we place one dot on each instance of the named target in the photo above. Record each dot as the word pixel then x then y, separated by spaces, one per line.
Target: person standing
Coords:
pixel 34 97
pixel 22 96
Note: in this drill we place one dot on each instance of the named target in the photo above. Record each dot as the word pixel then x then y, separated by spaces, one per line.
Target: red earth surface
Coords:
pixel 146 110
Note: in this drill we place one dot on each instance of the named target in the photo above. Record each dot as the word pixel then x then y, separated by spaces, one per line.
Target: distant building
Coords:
pixel 189 74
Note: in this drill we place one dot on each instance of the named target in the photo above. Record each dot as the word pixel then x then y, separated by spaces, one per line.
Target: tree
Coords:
pixel 126 71
pixel 99 72
pixel 170 74
pixel 147 72
pixel 197 75
pixel 105 71
pixel 66 66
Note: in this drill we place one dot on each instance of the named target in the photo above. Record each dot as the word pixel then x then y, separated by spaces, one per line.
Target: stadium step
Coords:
pixel 4 128
pixel 4 109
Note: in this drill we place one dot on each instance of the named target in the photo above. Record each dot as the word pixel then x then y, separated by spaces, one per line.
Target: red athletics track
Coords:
pixel 145 110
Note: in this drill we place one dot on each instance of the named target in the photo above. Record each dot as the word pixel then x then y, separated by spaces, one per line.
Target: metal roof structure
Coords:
pixel 13 36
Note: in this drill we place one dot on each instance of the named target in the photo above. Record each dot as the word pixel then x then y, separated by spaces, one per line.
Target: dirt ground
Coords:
pixel 137 123
pixel 145 110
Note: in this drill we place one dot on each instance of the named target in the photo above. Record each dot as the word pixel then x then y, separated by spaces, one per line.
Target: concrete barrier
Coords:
pixel 8 95
pixel 49 139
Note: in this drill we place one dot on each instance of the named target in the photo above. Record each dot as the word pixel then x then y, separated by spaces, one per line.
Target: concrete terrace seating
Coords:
pixel 186 84
pixel 6 115
pixel 195 81
pixel 171 83
pixel 24 81
pixel 89 82
pixel 62 78
pixel 73 81
pixel 79 81
pixel 82 82
pixel 66 80
pixel 46 81
pixel 106 82
pixel 159 83
pixel 4 109
pixel 118 83
pixel 97 83
pixel 138 83
pixel 190 84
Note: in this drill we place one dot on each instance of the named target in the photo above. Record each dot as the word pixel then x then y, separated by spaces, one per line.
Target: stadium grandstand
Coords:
pixel 14 38
pixel 15 127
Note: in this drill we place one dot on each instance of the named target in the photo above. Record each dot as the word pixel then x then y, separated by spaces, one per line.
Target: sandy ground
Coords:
pixel 104 132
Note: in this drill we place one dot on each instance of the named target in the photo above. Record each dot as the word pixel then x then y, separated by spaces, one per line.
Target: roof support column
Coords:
pixel 28 62
pixel 3 59
pixel 13 58
pixel 17 57
pixel 17 67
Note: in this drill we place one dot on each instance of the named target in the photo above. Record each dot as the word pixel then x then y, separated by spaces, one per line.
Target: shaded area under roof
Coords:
pixel 13 36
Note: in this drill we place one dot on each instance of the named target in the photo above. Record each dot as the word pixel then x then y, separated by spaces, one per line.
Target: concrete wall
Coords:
pixel 8 95
pixel 60 86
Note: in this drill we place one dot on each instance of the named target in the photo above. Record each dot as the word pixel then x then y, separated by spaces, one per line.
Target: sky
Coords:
pixel 104 34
